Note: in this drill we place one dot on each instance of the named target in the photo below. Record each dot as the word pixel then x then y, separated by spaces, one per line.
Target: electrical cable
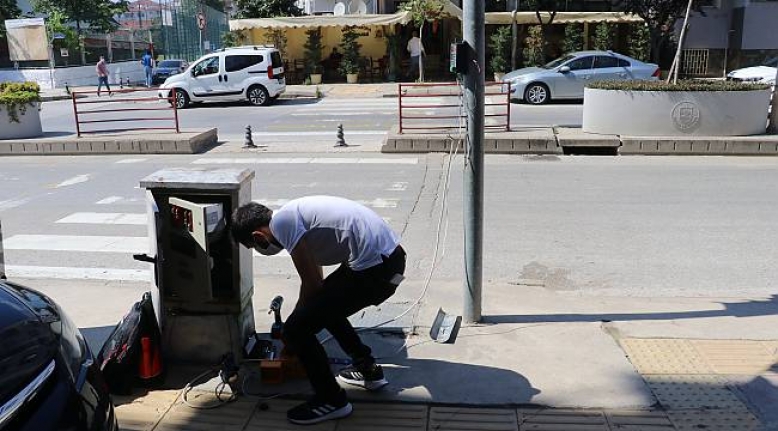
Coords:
pixel 218 392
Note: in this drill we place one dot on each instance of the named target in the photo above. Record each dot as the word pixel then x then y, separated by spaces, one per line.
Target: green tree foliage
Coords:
pixel 233 38
pixel 423 11
pixel 500 46
pixel 313 48
pixel 276 37
pixel 350 48
pixel 97 15
pixel 573 38
pixel 533 47
pixel 639 42
pixel 8 10
pixel 266 8
pixel 603 37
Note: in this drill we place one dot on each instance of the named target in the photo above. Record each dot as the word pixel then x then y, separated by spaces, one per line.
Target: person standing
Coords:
pixel 416 49
pixel 148 65
pixel 319 231
pixel 102 76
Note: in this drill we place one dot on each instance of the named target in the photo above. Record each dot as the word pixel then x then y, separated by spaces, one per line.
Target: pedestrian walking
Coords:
pixel 102 76
pixel 148 66
pixel 416 49
pixel 320 231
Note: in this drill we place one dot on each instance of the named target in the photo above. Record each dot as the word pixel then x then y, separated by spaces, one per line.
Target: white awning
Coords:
pixel 561 17
pixel 321 21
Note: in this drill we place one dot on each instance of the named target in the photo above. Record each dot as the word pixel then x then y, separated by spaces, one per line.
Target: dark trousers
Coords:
pixel 344 292
pixel 102 80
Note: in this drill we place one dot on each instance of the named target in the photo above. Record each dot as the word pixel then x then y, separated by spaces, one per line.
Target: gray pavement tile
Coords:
pixel 386 417
pixel 561 420
pixel 713 420
pixel 472 419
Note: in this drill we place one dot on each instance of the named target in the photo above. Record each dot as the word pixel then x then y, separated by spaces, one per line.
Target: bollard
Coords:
pixel 67 88
pixel 2 259
pixel 341 140
pixel 248 141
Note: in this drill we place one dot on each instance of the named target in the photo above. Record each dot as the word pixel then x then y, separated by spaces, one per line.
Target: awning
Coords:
pixel 561 17
pixel 321 21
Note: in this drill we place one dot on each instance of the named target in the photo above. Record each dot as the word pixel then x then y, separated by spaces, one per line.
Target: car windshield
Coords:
pixel 772 62
pixel 559 61
pixel 170 63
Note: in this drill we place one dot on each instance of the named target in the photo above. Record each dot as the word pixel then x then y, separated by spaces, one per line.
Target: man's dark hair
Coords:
pixel 247 219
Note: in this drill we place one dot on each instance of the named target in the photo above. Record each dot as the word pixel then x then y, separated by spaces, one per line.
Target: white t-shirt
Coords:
pixel 415 47
pixel 336 231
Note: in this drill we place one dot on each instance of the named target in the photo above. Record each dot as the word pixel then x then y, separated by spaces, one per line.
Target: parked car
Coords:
pixel 566 77
pixel 166 69
pixel 49 379
pixel 253 73
pixel 762 74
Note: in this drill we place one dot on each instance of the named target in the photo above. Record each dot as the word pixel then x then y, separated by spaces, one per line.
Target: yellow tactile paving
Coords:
pixel 386 417
pixel 472 419
pixel 742 357
pixel 664 356
pixel 713 420
pixel 561 420
pixel 273 418
pixel 676 392
pixel 639 420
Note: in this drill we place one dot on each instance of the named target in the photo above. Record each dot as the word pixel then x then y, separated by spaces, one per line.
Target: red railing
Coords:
pixel 446 113
pixel 122 101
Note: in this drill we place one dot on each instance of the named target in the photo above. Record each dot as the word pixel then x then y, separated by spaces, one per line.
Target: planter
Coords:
pixel 351 78
pixel 315 78
pixel 29 125
pixel 668 113
pixel 498 76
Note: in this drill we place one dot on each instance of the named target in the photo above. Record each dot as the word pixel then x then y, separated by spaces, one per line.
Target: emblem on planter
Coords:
pixel 686 117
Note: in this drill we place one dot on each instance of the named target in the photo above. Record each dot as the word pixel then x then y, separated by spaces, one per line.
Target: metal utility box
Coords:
pixel 203 280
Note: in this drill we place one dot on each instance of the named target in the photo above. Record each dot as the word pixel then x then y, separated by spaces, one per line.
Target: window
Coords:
pixel 605 61
pixel 209 66
pixel 276 58
pixel 233 63
pixel 624 63
pixel 582 63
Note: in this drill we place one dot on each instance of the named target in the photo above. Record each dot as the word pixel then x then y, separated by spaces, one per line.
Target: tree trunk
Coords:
pixel 421 56
pixel 677 60
pixel 774 114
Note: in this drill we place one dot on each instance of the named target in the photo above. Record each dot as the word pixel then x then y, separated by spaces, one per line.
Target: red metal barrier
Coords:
pixel 128 104
pixel 439 120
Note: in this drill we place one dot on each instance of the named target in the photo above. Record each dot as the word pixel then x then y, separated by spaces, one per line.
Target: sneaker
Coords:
pixel 315 411
pixel 371 379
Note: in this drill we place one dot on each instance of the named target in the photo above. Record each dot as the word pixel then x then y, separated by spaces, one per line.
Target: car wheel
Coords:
pixel 536 94
pixel 258 96
pixel 182 99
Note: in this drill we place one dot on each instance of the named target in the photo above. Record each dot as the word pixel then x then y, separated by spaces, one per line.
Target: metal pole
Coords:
pixel 515 40
pixel 2 259
pixel 677 60
pixel 774 114
pixel 473 24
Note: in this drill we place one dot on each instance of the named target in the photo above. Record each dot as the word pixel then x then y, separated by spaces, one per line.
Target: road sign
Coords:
pixel 201 22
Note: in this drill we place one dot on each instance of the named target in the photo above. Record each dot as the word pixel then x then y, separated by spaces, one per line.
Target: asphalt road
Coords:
pixel 626 226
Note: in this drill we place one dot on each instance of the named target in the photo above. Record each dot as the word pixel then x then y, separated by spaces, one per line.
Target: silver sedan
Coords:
pixel 566 77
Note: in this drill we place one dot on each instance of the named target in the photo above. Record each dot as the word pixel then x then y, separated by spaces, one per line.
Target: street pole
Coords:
pixel 677 60
pixel 774 110
pixel 473 23
pixel 515 39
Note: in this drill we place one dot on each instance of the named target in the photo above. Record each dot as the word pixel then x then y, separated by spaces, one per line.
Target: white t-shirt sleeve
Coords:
pixel 287 228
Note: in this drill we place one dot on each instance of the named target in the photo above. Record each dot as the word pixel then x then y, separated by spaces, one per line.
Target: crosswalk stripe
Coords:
pixel 73 273
pixel 96 244
pixel 375 203
pixel 104 218
pixel 308 160
pixel 323 133
pixel 126 161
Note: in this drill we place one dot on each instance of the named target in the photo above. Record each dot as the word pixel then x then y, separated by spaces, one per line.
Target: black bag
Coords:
pixel 121 355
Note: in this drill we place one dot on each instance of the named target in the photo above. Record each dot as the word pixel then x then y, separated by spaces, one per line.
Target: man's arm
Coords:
pixel 310 273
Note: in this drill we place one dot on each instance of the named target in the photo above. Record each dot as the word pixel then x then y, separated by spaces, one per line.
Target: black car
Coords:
pixel 166 69
pixel 49 379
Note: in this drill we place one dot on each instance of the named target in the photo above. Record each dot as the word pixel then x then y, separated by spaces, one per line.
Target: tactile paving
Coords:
pixel 561 420
pixel 227 417
pixel 386 417
pixel 273 418
pixel 638 420
pixel 664 356
pixel 713 420
pixel 743 357
pixel 472 419
pixel 693 392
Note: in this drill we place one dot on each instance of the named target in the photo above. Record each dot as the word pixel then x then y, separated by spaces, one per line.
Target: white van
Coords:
pixel 253 73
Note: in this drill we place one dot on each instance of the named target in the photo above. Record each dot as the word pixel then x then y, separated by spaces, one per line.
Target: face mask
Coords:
pixel 270 250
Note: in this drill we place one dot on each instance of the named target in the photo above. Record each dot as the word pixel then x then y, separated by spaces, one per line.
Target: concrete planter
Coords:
pixel 669 113
pixel 29 125
pixel 351 78
pixel 315 78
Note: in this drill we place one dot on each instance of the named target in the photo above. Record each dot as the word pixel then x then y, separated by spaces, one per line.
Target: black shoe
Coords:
pixel 371 378
pixel 315 410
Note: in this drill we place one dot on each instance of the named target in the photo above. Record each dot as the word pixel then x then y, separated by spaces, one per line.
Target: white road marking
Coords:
pixel 105 218
pixel 114 199
pixel 327 133
pixel 90 244
pixel 349 113
pixel 13 203
pixel 398 187
pixel 375 203
pixel 75 180
pixel 71 273
pixel 125 161
pixel 308 160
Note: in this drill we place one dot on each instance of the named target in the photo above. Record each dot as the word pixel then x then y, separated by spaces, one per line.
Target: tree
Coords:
pixel 548 8
pixel 534 47
pixel 266 8
pixel 500 45
pixel 233 38
pixel 97 15
pixel 350 48
pixel 277 38
pixel 313 48
pixel 603 38
pixel 8 10
pixel 660 17
pixel 573 38
pixel 423 11
pixel 639 42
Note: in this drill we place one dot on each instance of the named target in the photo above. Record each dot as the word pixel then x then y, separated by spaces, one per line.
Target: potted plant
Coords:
pixel 20 110
pixel 349 65
pixel 312 55
pixel 500 44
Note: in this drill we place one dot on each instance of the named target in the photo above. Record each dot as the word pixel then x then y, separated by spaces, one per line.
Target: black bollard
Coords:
pixel 341 140
pixel 248 141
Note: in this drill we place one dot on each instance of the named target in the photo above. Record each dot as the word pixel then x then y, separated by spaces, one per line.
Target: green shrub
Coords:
pixel 603 37
pixel 313 48
pixel 680 86
pixel 573 38
pixel 15 97
pixel 534 46
pixel 500 44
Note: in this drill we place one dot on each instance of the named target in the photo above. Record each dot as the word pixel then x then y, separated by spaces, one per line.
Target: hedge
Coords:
pixel 680 86
pixel 17 96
